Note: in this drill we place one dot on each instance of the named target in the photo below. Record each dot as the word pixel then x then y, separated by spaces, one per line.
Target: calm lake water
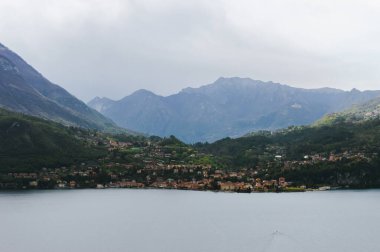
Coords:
pixel 175 221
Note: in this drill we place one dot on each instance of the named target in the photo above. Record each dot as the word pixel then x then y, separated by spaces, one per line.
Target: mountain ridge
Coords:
pixel 23 89
pixel 227 107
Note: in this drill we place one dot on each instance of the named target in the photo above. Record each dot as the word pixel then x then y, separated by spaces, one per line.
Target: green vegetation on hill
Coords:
pixel 29 143
pixel 340 154
pixel 172 141
pixel 356 114
pixel 35 153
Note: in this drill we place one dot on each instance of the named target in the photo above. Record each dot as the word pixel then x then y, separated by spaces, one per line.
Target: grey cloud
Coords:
pixel 111 48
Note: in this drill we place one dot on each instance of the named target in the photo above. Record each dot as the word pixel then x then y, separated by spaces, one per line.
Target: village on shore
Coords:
pixel 206 180
pixel 153 165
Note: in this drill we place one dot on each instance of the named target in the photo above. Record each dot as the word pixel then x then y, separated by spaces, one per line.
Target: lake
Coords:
pixel 173 221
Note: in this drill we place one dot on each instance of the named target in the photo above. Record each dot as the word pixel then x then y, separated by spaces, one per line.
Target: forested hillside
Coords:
pixel 340 154
pixel 30 143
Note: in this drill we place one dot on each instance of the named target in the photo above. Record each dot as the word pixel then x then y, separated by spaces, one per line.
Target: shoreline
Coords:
pixel 177 189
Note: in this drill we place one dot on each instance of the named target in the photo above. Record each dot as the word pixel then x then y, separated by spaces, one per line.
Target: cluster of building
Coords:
pixel 327 158
pixel 151 165
pixel 186 177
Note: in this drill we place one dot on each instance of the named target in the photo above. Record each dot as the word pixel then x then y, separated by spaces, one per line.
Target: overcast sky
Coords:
pixel 114 47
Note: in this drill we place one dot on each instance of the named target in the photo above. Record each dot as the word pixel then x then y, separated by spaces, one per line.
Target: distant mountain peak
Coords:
pixel 100 104
pixel 240 82
pixel 226 82
pixel 354 90
pixel 143 92
pixel 233 80
pixel 97 99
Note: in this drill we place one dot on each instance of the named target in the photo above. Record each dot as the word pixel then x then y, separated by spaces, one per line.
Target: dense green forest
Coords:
pixel 28 143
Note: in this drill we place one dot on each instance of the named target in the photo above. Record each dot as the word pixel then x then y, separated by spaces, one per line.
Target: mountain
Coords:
pixel 227 107
pixel 29 143
pixel 23 89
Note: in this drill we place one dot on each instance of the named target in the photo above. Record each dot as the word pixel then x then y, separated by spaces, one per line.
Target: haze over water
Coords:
pixel 170 220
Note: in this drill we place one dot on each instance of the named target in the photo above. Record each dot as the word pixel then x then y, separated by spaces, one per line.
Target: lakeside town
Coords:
pixel 165 164
pixel 194 178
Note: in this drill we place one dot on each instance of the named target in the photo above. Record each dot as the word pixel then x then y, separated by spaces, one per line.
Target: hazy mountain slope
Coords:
pixel 100 104
pixel 25 90
pixel 358 113
pixel 227 107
